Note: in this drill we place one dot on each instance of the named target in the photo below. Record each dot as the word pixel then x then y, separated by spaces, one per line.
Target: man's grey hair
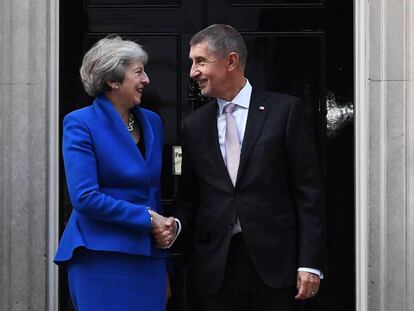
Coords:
pixel 221 40
pixel 107 61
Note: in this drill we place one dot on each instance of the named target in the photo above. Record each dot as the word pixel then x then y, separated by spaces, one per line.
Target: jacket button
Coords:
pixel 230 226
pixel 236 195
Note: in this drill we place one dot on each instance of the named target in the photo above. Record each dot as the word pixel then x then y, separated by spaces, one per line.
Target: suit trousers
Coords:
pixel 243 290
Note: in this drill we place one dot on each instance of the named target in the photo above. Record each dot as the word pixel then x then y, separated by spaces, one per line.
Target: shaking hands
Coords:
pixel 164 229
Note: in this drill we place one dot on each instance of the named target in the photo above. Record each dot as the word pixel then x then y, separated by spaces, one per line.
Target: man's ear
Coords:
pixel 233 61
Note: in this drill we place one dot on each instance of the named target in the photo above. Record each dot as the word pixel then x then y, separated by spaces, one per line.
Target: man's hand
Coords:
pixel 307 284
pixel 164 229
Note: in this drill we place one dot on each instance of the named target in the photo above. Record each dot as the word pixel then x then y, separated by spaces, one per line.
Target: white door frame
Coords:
pixel 361 71
pixel 53 152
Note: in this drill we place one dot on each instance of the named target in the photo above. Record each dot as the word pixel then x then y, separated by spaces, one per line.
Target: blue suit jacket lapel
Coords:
pixel 110 117
pixel 148 131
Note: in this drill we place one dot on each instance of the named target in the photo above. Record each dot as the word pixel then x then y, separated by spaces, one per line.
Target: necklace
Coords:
pixel 130 125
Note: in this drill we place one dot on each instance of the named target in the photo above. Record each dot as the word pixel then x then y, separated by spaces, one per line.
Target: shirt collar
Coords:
pixel 241 99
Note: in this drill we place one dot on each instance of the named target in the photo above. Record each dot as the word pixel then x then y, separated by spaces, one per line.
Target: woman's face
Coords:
pixel 135 79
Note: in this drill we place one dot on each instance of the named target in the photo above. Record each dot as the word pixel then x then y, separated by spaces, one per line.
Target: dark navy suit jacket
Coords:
pixel 111 185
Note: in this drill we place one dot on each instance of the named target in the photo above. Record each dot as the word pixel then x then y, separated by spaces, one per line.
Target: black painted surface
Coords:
pixel 274 3
pixel 301 47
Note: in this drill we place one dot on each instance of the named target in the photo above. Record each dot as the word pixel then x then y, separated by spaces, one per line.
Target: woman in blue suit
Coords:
pixel 112 154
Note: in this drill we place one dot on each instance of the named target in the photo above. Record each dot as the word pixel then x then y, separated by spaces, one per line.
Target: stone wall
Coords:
pixel 391 155
pixel 23 155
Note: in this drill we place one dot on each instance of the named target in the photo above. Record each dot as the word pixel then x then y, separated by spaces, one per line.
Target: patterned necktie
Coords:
pixel 231 143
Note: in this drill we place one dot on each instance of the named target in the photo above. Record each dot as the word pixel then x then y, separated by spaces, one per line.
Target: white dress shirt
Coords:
pixel 242 100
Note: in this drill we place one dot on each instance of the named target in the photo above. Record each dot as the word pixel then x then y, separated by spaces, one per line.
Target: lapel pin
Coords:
pixel 261 108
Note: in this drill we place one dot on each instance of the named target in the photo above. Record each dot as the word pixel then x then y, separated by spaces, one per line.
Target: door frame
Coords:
pixel 53 153
pixel 361 101
pixel 361 144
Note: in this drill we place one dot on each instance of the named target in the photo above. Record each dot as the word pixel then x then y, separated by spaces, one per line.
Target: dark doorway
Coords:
pixel 301 47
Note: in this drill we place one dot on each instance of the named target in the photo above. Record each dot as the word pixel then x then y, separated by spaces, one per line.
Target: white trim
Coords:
pixel 53 153
pixel 361 65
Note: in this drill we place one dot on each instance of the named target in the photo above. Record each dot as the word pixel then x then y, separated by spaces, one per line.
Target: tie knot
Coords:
pixel 229 108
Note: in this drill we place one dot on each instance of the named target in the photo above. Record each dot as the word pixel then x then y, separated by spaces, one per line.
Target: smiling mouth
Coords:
pixel 201 82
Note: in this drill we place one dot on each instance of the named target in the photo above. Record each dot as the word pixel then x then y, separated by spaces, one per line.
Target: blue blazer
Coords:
pixel 111 186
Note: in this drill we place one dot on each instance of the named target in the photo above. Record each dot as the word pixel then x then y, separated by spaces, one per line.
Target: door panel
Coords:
pixel 133 2
pixel 301 47
pixel 290 63
pixel 274 3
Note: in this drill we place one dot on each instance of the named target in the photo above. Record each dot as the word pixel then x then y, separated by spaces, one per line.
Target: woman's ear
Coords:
pixel 113 84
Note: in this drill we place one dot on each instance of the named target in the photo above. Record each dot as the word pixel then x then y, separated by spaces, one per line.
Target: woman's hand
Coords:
pixel 164 229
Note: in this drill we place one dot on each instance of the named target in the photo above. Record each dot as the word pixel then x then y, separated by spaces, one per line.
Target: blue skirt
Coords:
pixel 110 281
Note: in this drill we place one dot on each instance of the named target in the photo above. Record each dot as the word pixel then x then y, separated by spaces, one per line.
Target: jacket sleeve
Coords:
pixel 306 188
pixel 83 185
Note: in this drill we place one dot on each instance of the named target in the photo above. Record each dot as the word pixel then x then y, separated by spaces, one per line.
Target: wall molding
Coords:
pixel 361 64
pixel 53 152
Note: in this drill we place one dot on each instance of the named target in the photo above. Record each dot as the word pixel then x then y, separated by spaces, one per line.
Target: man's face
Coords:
pixel 209 70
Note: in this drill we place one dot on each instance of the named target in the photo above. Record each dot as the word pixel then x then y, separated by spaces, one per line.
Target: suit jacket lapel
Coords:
pixel 111 117
pixel 147 130
pixel 258 111
pixel 212 134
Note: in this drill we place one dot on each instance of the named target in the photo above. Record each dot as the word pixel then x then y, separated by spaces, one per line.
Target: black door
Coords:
pixel 301 47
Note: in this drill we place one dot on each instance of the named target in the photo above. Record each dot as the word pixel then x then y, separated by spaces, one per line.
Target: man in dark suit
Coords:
pixel 253 207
